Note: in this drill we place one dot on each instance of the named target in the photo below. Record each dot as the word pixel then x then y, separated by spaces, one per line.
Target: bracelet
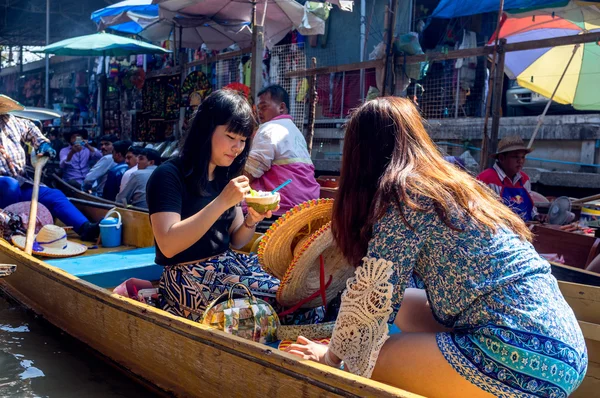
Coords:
pixel 245 224
pixel 329 362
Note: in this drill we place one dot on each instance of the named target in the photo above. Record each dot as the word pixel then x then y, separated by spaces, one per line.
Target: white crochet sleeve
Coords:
pixel 362 324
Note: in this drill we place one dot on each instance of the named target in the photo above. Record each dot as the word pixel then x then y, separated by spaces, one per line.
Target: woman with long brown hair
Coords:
pixel 492 321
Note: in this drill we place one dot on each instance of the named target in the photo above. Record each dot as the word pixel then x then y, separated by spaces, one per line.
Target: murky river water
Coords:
pixel 37 360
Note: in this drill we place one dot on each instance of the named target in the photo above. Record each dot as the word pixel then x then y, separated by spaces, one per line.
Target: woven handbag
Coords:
pixel 242 315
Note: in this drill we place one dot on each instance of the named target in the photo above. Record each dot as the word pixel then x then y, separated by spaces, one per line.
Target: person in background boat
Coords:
pixel 279 153
pixel 76 158
pixel 131 158
pixel 115 174
pixel 193 201
pixel 96 178
pixel 56 140
pixel 508 180
pixel 14 186
pixel 491 321
pixel 134 193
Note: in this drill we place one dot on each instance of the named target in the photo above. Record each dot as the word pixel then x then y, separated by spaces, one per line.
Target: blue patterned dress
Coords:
pixel 514 334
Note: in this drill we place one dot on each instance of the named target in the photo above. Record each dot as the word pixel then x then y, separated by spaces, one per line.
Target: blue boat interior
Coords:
pixel 108 270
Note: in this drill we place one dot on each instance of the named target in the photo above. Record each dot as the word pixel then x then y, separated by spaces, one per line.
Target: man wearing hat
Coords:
pixel 14 187
pixel 507 179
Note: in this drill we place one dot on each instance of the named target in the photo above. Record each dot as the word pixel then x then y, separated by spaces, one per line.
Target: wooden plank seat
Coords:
pixel 111 269
pixel 578 250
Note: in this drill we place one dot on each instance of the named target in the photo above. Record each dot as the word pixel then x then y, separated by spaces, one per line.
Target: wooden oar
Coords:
pixel 41 162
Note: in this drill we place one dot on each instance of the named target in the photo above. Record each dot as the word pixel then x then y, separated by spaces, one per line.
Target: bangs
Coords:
pixel 241 123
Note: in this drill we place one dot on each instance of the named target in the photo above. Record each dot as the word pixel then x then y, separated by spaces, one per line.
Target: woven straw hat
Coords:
pixel 276 249
pixel 51 241
pixel 302 278
pixel 8 104
pixel 512 143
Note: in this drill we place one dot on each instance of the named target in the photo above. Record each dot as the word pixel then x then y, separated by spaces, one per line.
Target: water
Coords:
pixel 38 360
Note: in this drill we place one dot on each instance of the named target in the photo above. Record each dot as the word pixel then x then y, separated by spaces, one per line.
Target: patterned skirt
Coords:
pixel 508 363
pixel 186 290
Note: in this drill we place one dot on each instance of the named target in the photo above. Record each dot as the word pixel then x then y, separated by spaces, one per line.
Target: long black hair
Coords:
pixel 221 108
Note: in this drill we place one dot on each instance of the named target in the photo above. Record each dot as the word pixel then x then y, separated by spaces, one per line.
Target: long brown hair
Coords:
pixel 390 159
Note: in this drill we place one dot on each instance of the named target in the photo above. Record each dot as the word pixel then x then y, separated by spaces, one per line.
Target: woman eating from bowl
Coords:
pixel 193 202
pixel 493 321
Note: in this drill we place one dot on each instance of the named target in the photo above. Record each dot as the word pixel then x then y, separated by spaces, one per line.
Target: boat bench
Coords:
pixel 108 270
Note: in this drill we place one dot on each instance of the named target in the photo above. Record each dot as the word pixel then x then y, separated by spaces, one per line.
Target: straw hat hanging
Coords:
pixel 302 278
pixel 277 248
pixel 51 241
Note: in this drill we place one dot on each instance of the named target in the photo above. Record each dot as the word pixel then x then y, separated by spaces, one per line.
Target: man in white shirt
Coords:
pixel 134 193
pixel 132 161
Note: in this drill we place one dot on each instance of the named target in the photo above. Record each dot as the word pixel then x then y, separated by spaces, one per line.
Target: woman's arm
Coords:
pixel 243 229
pixel 174 235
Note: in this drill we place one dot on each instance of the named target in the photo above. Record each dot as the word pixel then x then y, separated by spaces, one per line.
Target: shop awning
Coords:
pixel 461 8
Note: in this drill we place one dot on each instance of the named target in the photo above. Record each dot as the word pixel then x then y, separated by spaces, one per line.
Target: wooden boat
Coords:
pixel 73 192
pixel 182 357
pixel 176 355
pixel 577 250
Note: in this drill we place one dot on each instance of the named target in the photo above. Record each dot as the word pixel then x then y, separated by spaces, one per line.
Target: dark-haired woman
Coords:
pixel 496 323
pixel 193 204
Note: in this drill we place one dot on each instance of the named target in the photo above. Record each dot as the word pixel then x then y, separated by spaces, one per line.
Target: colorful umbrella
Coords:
pixel 101 44
pixel 541 70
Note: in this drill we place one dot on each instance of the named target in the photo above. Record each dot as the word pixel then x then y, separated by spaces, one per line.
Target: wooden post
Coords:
pixel 484 138
pixel 258 46
pixel 389 50
pixel 310 132
pixel 497 103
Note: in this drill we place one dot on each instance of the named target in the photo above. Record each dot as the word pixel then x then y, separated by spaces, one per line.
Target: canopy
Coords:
pixel 281 15
pixel 126 16
pixel 100 44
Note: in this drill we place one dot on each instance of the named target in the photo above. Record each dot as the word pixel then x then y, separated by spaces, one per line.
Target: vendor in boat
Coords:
pixel 508 180
pixel 134 193
pixel 492 321
pixel 131 158
pixel 193 201
pixel 15 187
pixel 279 152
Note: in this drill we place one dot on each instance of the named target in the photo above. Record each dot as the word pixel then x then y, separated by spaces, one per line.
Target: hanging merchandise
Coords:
pixel 195 89
pixel 242 89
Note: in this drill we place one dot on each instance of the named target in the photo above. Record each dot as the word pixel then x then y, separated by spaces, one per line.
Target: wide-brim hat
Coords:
pixel 8 104
pixel 276 248
pixel 51 241
pixel 303 277
pixel 21 209
pixel 510 144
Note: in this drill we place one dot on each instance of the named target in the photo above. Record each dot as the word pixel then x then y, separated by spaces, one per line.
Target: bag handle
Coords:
pixel 114 211
pixel 244 287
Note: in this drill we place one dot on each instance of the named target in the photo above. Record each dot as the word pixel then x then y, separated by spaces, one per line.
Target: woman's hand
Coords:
pixel 234 192
pixel 307 349
pixel 255 217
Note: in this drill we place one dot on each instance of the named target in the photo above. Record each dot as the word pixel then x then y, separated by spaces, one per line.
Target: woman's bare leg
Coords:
pixel 413 362
pixel 415 314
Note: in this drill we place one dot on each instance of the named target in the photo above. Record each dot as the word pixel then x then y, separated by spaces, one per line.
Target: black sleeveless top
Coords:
pixel 168 191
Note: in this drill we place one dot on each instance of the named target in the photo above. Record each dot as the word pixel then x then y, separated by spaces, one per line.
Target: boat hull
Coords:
pixel 177 355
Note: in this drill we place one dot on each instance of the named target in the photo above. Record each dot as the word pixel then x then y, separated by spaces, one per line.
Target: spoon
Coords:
pixel 281 186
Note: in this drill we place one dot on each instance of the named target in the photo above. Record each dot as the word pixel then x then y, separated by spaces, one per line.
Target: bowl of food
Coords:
pixel 262 201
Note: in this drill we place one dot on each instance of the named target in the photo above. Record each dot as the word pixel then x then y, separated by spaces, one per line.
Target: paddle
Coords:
pixel 41 162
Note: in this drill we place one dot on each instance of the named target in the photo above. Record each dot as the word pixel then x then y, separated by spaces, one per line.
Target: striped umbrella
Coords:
pixel 541 70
